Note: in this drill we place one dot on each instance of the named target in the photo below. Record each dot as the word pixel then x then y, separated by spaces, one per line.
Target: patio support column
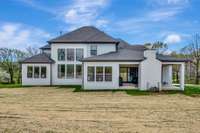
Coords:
pixel 182 76
pixel 170 74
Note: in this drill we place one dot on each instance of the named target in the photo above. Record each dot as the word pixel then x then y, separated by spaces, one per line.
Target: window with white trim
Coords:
pixel 43 72
pixel 79 54
pixel 99 74
pixel 108 74
pixel 70 54
pixel 30 72
pixel 61 71
pixel 70 70
pixel 93 50
pixel 90 74
pixel 61 54
pixel 36 71
pixel 78 71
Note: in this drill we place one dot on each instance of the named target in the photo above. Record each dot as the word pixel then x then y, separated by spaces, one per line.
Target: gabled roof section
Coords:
pixel 167 58
pixel 40 58
pixel 86 34
pixel 46 47
pixel 120 55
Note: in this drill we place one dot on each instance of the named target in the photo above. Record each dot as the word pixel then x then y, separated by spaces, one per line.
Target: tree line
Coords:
pixel 10 63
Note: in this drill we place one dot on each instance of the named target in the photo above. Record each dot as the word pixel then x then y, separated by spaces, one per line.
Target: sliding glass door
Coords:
pixel 129 74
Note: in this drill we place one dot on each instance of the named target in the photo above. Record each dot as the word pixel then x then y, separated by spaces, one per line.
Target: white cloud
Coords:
pixel 170 2
pixel 16 35
pixel 85 12
pixel 172 38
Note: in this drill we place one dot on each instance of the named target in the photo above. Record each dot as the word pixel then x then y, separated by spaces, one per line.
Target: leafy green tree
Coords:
pixel 9 61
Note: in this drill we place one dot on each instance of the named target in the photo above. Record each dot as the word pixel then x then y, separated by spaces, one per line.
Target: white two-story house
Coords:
pixel 95 60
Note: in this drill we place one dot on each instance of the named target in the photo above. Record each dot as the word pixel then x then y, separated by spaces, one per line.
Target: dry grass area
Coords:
pixel 52 110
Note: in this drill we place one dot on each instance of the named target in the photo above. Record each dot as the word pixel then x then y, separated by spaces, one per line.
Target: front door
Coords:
pixel 129 74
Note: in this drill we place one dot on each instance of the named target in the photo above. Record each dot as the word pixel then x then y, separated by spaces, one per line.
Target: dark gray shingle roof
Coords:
pixel 131 55
pixel 47 46
pixel 121 55
pixel 167 58
pixel 86 34
pixel 40 58
pixel 124 44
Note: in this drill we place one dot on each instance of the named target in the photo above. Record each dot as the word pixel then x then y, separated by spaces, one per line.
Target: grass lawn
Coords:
pixel 57 110
pixel 190 90
pixel 10 85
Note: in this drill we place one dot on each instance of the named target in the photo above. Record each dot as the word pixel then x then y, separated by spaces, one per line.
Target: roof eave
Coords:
pixel 50 42
pixel 112 60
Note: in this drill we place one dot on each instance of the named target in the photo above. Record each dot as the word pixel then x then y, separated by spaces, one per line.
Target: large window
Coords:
pixel 79 54
pixel 36 71
pixel 29 71
pixel 93 50
pixel 61 71
pixel 99 73
pixel 61 54
pixel 70 54
pixel 78 71
pixel 43 72
pixel 70 70
pixel 90 76
pixel 108 73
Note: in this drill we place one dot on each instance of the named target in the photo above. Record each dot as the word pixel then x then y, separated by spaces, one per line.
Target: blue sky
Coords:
pixel 33 22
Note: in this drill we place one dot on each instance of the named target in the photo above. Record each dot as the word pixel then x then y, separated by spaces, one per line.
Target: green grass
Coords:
pixel 190 90
pixel 10 85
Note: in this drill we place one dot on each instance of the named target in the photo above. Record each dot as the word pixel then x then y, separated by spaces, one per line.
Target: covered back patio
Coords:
pixel 167 75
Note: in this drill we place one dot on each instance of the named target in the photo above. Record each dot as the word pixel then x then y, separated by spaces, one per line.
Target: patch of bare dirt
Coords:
pixel 49 110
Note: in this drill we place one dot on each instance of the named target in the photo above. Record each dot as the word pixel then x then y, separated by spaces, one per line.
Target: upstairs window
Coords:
pixel 90 76
pixel 43 72
pixel 61 71
pixel 79 54
pixel 70 54
pixel 93 50
pixel 61 54
pixel 99 73
pixel 36 71
pixel 29 72
pixel 108 73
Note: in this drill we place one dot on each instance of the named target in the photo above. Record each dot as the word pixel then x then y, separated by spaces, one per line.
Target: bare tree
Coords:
pixel 9 59
pixel 32 51
pixel 161 47
pixel 193 51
